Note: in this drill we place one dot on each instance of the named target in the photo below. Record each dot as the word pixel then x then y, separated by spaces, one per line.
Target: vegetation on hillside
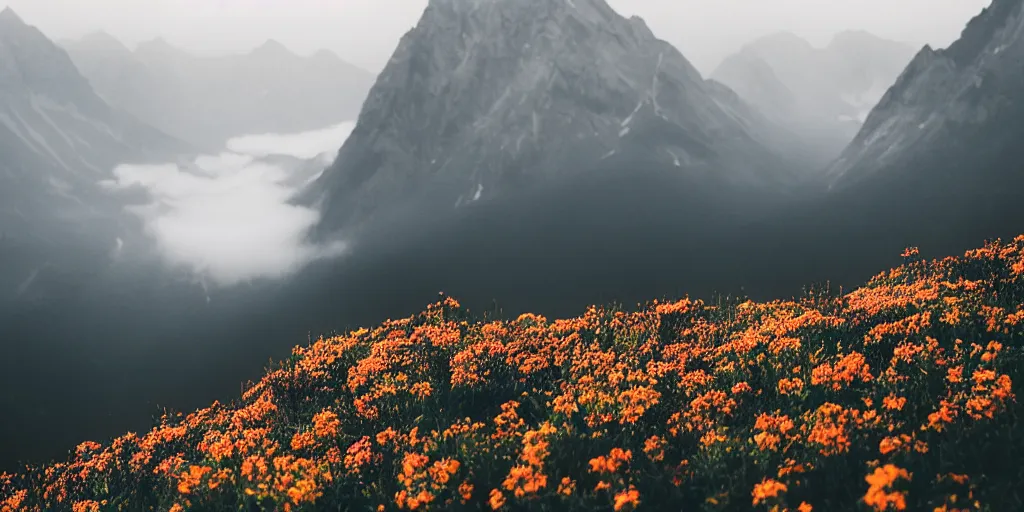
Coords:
pixel 900 395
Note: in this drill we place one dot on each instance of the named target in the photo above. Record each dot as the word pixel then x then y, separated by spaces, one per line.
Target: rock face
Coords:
pixel 485 95
pixel 939 160
pixel 58 139
pixel 821 94
pixel 962 107
pixel 207 100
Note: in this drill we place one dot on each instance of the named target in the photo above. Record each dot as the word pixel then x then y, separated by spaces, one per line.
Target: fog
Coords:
pixel 227 218
pixel 301 145
pixel 365 32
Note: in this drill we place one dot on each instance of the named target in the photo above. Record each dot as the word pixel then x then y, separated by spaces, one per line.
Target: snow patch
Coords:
pixel 654 84
pixel 13 127
pixel 36 136
pixel 675 159
pixel 629 118
pixel 27 283
pixel 46 117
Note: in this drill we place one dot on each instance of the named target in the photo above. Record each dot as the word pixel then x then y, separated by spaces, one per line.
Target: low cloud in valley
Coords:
pixel 227 217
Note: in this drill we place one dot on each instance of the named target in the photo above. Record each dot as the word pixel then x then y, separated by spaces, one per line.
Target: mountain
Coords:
pixel 115 73
pixel 58 141
pixel 484 97
pixel 59 138
pixel 822 94
pixel 941 151
pixel 961 106
pixel 207 100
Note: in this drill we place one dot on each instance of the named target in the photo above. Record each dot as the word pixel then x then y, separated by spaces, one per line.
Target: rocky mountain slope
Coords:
pixel 960 107
pixel 823 94
pixel 58 142
pixel 482 97
pixel 58 138
pixel 207 100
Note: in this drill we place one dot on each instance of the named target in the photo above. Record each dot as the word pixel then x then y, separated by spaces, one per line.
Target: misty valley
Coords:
pixel 538 260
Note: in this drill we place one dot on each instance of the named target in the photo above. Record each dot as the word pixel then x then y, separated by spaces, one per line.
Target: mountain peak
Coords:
pixel 981 30
pixel 858 34
pixel 30 63
pixel 100 36
pixel 158 46
pixel 530 11
pixel 272 48
pixel 8 15
pixel 485 96
pixel 781 40
pixel 103 40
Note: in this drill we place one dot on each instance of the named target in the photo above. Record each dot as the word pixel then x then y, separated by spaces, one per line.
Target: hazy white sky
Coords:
pixel 365 32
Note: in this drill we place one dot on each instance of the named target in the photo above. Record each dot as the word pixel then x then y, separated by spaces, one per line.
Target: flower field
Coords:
pixel 900 395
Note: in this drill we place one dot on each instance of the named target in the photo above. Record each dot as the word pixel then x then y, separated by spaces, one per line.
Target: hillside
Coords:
pixel 899 395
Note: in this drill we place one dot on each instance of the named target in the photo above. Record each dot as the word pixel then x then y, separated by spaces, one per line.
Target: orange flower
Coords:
pixel 567 486
pixel 627 500
pixel 85 506
pixel 773 428
pixel 635 401
pixel 358 455
pixel 849 368
pixel 303 440
pixel 790 386
pixel 466 491
pixel 190 479
pixel 894 403
pixel 610 464
pixel 386 436
pixel 654 447
pixel 945 415
pixel 523 480
pixel 421 390
pixel 830 429
pixel 326 424
pixel 497 499
pixel 879 484
pixel 768 489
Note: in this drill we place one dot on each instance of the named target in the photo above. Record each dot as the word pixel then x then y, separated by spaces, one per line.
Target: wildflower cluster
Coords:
pixel 901 395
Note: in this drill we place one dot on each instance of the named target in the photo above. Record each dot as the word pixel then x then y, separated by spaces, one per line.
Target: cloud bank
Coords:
pixel 226 217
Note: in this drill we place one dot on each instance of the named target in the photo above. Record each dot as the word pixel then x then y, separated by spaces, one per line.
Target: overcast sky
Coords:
pixel 365 32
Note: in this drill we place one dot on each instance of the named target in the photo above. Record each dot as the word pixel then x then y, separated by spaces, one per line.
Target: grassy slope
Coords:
pixel 900 394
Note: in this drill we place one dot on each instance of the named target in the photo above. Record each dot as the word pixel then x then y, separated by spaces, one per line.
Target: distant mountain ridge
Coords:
pixel 207 100
pixel 823 94
pixel 459 115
